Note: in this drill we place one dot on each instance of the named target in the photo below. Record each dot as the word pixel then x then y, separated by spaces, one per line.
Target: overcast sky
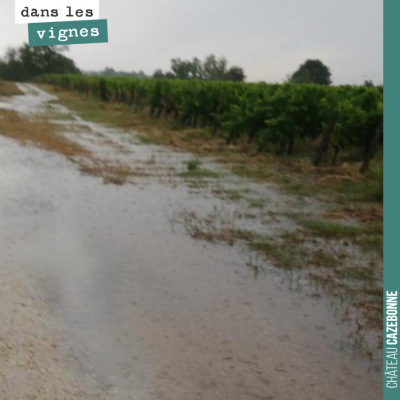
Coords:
pixel 268 38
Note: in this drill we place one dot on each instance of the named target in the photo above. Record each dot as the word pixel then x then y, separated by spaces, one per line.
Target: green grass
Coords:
pixel 194 165
pixel 302 189
pixel 231 194
pixel 284 180
pixel 9 89
pixel 357 273
pixel 322 260
pixel 60 116
pixel 151 140
pixel 371 243
pixel 368 236
pixel 200 173
pixel 252 173
pixel 257 203
pixel 197 184
pixel 369 189
pixel 194 170
pixel 330 229
pixel 286 257
pixel 362 191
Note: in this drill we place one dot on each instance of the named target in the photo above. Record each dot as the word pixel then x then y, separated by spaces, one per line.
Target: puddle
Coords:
pixel 145 311
pixel 32 102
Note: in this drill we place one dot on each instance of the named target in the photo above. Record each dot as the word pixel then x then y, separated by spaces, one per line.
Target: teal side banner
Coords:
pixel 391 386
pixel 68 32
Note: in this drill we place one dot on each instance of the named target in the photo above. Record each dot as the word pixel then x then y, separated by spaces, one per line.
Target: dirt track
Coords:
pixel 105 295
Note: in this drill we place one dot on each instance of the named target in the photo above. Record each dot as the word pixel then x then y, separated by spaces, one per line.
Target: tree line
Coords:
pixel 25 63
pixel 211 69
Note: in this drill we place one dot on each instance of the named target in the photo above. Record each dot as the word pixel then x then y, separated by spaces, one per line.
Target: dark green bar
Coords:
pixel 82 32
pixel 391 179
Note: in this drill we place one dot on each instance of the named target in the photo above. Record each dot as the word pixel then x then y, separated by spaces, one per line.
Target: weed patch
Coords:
pixel 330 229
pixel 200 174
pixel 9 89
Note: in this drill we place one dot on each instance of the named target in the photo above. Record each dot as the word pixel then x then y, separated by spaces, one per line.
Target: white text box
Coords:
pixel 31 11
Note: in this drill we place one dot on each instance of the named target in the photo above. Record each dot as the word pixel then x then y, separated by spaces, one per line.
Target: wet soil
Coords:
pixel 133 306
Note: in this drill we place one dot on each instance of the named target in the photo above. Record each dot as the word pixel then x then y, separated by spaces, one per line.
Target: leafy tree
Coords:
pixel 212 68
pixel 27 62
pixel 369 84
pixel 182 69
pixel 109 71
pixel 169 75
pixel 159 74
pixel 236 74
pixel 196 71
pixel 312 71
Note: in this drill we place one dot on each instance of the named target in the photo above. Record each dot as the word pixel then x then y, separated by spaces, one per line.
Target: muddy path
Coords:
pixel 138 305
